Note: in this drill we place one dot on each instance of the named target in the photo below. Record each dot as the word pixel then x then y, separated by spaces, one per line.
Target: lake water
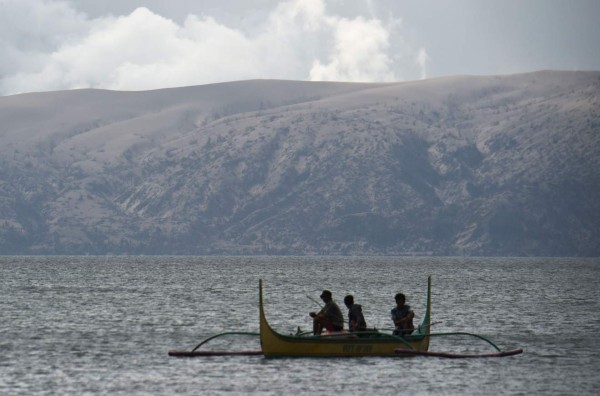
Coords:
pixel 104 325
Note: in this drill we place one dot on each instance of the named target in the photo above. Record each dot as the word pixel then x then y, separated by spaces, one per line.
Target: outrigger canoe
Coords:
pixel 343 344
pixel 368 343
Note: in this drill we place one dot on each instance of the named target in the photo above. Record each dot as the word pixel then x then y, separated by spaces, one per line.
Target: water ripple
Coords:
pixel 77 325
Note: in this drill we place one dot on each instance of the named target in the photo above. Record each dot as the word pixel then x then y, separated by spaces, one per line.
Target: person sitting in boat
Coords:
pixel 402 316
pixel 356 320
pixel 329 317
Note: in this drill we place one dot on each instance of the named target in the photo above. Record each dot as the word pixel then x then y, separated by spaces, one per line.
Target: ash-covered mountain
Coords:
pixel 504 165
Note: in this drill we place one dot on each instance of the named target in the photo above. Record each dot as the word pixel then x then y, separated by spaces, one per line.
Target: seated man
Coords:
pixel 329 317
pixel 402 316
pixel 356 320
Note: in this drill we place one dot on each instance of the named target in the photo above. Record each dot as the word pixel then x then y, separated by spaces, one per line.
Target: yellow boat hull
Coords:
pixel 341 344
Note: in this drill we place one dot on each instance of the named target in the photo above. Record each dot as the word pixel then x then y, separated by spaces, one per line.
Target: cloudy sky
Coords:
pixel 146 44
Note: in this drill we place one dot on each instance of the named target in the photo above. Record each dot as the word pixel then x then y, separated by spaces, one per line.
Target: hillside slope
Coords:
pixel 501 165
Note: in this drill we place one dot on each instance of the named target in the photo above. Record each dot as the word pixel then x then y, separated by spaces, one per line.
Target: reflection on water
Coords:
pixel 104 325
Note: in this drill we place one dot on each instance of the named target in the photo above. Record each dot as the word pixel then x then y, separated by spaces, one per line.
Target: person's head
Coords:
pixel 326 295
pixel 400 299
pixel 349 300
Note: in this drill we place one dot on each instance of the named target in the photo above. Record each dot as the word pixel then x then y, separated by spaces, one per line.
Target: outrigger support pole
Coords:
pixel 500 353
pixel 458 355
pixel 468 334
pixel 194 352
pixel 224 334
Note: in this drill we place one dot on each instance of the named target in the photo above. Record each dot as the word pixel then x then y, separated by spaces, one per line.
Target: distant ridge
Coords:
pixel 465 165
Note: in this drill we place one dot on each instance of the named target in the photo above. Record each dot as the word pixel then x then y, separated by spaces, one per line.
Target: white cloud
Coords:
pixel 47 45
pixel 31 29
pixel 422 59
pixel 358 53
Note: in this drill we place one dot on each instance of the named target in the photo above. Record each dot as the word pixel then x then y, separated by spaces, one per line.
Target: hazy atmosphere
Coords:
pixel 137 45
pixel 182 180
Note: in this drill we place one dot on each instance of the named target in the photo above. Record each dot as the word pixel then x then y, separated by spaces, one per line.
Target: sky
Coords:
pixel 48 45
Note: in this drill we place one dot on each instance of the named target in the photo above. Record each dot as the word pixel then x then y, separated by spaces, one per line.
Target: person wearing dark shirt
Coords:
pixel 402 316
pixel 356 320
pixel 329 317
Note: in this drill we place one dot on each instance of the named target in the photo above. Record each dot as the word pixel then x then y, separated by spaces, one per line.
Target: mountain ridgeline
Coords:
pixel 476 166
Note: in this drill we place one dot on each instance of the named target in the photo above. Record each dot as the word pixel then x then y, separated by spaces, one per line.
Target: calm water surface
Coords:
pixel 104 325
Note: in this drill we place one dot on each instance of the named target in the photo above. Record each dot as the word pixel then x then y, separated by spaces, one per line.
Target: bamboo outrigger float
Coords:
pixel 343 344
pixel 367 343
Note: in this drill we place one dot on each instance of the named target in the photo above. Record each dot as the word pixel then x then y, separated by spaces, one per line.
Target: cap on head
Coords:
pixel 326 294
